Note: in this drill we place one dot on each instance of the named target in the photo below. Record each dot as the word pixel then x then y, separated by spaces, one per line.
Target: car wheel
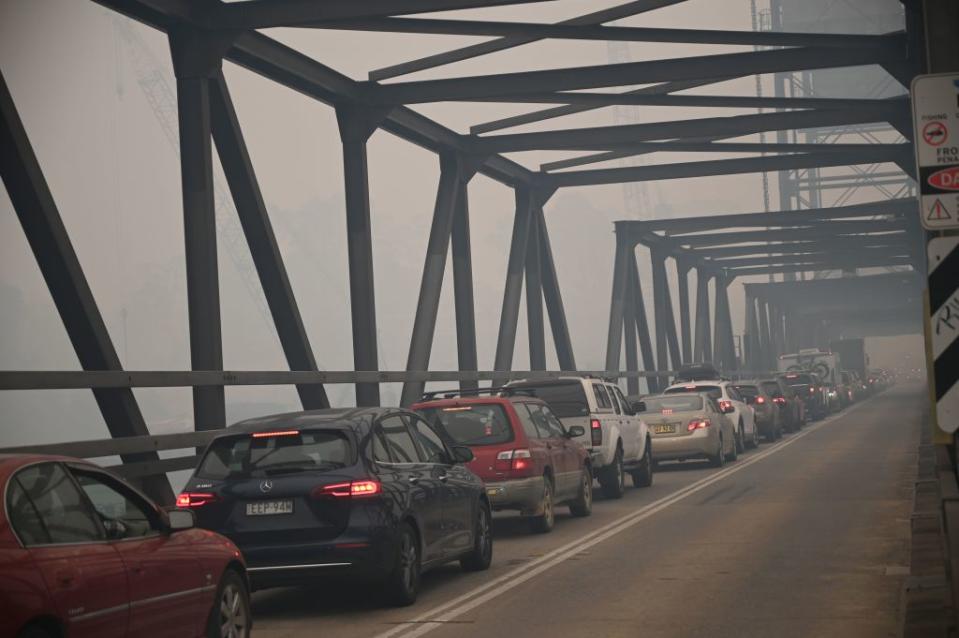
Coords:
pixel 643 476
pixel 734 450
pixel 753 441
pixel 719 458
pixel 583 505
pixel 544 522
pixel 741 439
pixel 230 616
pixel 481 555
pixel 403 583
pixel 613 480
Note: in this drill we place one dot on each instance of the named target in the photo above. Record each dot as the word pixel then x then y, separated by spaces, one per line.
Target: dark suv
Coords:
pixel 526 456
pixel 375 494
pixel 809 387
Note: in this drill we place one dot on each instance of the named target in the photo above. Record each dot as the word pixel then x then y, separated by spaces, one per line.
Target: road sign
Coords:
pixel 935 115
pixel 944 328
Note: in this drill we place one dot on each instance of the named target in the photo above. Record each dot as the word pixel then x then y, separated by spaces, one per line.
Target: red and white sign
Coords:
pixel 935 133
pixel 947 179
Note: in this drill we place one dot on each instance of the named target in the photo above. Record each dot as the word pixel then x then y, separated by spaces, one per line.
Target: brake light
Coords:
pixel 691 386
pixel 263 435
pixel 596 432
pixel 725 404
pixel 514 460
pixel 346 490
pixel 779 401
pixel 812 390
pixel 698 424
pixel 195 499
pixel 760 400
pixel 667 411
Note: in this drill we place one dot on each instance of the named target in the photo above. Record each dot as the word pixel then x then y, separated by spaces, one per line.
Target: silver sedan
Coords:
pixel 689 426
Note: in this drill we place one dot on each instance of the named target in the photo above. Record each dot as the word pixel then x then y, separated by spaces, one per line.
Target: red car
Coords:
pixel 83 554
pixel 521 450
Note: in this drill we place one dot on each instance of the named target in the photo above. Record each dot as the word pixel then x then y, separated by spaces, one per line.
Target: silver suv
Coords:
pixel 616 436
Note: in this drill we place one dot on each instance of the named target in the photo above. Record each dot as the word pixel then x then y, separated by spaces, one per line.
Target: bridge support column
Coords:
pixel 725 348
pixel 642 321
pixel 356 125
pixel 452 182
pixel 61 270
pixel 553 297
pixel 255 220
pixel 196 62
pixel 536 334
pixel 463 288
pixel 509 315
pixel 750 335
pixel 682 270
pixel 667 342
pixel 703 347
pixel 764 329
pixel 618 309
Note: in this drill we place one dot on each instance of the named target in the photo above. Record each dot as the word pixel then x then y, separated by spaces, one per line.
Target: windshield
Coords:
pixel 678 403
pixel 712 390
pixel 472 424
pixel 244 456
pixel 564 399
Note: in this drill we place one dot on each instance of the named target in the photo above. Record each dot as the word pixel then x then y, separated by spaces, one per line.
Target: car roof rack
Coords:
pixel 452 394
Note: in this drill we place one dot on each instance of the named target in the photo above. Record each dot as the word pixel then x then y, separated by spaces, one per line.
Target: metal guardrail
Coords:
pixel 100 448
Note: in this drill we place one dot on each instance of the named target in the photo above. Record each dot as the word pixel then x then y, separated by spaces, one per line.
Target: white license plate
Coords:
pixel 267 508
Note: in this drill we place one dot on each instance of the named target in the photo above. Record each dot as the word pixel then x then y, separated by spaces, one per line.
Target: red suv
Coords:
pixel 521 450
pixel 83 554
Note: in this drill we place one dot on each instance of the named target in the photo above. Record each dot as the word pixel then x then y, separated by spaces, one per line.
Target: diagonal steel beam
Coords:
pixel 635 7
pixel 647 72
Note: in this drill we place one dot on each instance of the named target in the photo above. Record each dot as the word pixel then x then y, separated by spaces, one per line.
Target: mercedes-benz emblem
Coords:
pixel 266 486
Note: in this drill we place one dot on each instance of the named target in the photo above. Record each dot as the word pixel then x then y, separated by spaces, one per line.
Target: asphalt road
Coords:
pixel 805 537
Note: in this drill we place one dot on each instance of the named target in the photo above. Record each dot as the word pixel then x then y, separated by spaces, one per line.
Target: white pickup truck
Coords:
pixel 616 436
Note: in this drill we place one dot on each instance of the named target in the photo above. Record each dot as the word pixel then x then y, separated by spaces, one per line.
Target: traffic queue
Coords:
pixel 375 496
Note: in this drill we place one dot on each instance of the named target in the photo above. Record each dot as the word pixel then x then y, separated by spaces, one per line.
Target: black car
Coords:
pixel 367 494
pixel 810 388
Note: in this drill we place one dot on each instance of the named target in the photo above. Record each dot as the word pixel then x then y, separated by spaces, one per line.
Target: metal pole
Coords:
pixel 702 317
pixel 536 334
pixel 629 330
pixel 764 326
pixel 48 238
pixel 553 297
pixel 642 322
pixel 506 339
pixel 682 269
pixel 434 268
pixel 463 288
pixel 618 301
pixel 194 70
pixel 356 126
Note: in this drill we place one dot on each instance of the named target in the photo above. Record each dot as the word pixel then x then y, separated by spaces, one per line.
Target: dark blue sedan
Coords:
pixel 370 494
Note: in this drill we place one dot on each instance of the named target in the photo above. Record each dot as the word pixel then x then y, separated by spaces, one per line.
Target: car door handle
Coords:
pixel 65 577
pixel 414 480
pixel 444 477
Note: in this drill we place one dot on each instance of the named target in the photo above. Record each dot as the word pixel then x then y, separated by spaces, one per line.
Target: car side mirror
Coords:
pixel 179 520
pixel 638 406
pixel 575 430
pixel 462 454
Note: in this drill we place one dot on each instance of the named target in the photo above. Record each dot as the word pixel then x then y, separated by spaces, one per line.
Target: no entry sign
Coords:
pixel 935 112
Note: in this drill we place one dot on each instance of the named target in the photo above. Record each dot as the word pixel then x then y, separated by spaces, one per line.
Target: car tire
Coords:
pixel 613 479
pixel 734 452
pixel 753 441
pixel 403 583
pixel 481 555
pixel 583 505
pixel 643 475
pixel 543 523
pixel 230 616
pixel 719 458
pixel 741 439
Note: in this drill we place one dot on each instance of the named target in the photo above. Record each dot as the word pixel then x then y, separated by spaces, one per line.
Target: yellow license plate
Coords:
pixel 664 429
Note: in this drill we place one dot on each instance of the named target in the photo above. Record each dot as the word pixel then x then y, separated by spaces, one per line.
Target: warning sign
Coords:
pixel 935 112
pixel 935 133
pixel 938 212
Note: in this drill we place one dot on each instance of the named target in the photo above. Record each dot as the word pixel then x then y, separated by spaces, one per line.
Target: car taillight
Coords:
pixel 195 499
pixel 596 432
pixel 779 401
pixel 516 460
pixel 356 489
pixel 760 400
pixel 725 405
pixel 698 424
pixel 274 433
pixel 812 390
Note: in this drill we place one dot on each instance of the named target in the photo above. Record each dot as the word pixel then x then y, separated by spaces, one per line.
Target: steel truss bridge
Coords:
pixel 720 248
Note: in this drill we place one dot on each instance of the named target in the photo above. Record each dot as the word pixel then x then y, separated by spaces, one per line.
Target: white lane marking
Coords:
pixel 456 607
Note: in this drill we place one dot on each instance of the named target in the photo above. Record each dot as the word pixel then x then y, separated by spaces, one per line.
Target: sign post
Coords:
pixel 935 112
pixel 943 330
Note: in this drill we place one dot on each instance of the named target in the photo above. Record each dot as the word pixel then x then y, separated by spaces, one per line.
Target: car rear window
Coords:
pixel 798 379
pixel 480 424
pixel 771 388
pixel 713 391
pixel 257 455
pixel 678 403
pixel 564 399
pixel 747 390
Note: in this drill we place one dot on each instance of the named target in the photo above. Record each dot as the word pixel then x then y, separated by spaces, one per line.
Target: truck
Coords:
pixel 826 363
pixel 853 355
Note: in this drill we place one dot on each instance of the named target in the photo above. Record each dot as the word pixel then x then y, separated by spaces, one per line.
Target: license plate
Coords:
pixel 267 508
pixel 664 429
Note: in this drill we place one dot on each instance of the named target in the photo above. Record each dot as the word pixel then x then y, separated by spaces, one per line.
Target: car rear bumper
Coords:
pixel 525 494
pixel 692 446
